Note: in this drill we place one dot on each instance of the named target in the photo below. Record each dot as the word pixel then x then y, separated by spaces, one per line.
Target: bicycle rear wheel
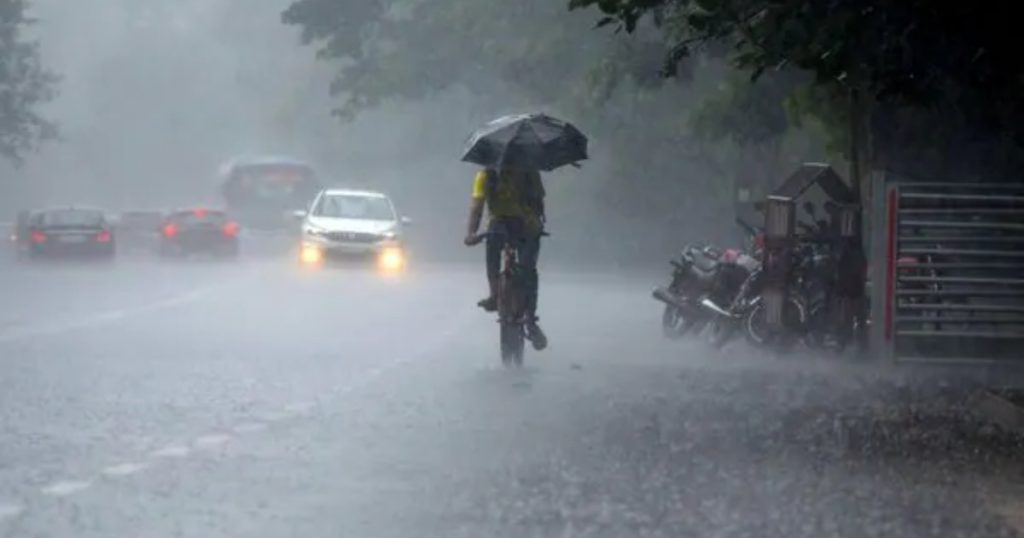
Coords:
pixel 510 318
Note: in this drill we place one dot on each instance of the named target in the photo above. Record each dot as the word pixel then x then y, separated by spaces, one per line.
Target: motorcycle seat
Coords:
pixel 706 276
pixel 704 262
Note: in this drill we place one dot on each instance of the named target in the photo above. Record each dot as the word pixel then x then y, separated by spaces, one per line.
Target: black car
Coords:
pixel 19 234
pixel 199 231
pixel 69 232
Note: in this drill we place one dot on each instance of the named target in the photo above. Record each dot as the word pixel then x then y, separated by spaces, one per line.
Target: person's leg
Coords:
pixel 493 261
pixel 528 255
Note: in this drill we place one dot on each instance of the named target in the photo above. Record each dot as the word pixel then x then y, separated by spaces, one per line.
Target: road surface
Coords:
pixel 256 400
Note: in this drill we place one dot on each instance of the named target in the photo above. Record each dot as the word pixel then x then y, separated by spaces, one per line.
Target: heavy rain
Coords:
pixel 480 268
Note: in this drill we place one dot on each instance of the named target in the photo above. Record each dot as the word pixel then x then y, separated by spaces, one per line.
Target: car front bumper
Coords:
pixel 315 250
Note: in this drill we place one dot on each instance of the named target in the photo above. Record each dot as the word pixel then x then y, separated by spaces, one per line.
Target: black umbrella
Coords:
pixel 530 141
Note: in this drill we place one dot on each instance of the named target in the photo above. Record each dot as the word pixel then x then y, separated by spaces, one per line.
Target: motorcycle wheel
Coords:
pixel 759 335
pixel 673 323
pixel 720 333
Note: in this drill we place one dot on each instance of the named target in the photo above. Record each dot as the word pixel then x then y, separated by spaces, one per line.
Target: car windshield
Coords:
pixel 70 218
pixel 353 206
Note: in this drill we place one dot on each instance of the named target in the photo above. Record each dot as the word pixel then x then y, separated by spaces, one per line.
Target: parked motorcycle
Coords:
pixel 747 314
pixel 705 281
pixel 693 275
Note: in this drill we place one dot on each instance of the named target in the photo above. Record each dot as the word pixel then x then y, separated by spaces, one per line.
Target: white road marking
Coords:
pixel 212 440
pixel 124 469
pixel 107 317
pixel 173 451
pixel 272 416
pixel 7 511
pixel 299 408
pixel 65 488
pixel 249 427
pixel 70 487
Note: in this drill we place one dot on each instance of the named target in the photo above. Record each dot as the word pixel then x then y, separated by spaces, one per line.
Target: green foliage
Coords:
pixel 745 113
pixel 408 50
pixel 24 85
pixel 961 56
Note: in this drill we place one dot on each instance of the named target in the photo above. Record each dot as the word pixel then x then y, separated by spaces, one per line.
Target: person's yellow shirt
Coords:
pixel 509 199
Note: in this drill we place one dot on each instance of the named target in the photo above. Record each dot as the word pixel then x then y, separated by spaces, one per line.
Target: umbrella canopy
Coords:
pixel 528 141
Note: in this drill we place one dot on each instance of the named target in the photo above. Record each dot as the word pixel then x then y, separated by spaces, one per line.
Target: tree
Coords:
pixel 24 85
pixel 405 50
pixel 896 54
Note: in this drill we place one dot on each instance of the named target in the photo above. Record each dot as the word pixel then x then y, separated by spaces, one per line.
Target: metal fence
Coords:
pixel 948 271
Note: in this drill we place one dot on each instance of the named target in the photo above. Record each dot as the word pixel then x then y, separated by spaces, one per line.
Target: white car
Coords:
pixel 352 223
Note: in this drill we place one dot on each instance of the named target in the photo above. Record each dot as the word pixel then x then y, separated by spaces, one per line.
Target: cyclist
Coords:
pixel 515 204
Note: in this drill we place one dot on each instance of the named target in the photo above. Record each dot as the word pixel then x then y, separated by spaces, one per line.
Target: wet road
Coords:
pixel 253 399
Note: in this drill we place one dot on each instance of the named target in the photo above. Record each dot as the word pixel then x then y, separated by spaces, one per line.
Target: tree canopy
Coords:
pixel 402 50
pixel 954 60
pixel 899 49
pixel 24 85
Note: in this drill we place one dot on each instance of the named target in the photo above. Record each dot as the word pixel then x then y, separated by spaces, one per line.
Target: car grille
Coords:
pixel 353 237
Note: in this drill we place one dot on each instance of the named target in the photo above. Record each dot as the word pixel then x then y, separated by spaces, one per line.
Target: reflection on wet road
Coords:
pixel 253 399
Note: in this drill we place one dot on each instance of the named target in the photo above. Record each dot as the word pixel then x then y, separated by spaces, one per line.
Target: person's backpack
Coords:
pixel 531 196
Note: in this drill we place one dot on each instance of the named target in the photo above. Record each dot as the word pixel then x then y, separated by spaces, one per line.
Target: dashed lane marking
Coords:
pixel 22 332
pixel 124 469
pixel 249 427
pixel 65 488
pixel 69 487
pixel 272 416
pixel 173 451
pixel 299 408
pixel 212 440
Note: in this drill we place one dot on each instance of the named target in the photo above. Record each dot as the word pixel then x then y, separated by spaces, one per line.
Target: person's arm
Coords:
pixel 476 213
pixel 476 209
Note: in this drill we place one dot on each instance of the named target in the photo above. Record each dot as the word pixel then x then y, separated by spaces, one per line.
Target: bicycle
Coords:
pixel 511 295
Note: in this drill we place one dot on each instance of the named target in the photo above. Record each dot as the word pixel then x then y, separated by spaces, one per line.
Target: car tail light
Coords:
pixel 231 229
pixel 103 237
pixel 170 230
pixel 38 237
pixel 199 212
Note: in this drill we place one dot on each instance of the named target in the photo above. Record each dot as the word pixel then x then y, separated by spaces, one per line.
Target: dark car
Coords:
pixel 69 232
pixel 139 230
pixel 199 231
pixel 19 234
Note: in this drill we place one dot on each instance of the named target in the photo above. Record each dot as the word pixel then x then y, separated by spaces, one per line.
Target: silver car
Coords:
pixel 352 223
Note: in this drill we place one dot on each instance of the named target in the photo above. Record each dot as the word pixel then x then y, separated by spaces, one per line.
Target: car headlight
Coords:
pixel 390 260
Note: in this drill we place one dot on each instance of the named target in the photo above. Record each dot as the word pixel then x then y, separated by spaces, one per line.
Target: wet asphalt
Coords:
pixel 255 399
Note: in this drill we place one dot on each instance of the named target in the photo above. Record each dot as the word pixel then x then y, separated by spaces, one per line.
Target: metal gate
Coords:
pixel 947 271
